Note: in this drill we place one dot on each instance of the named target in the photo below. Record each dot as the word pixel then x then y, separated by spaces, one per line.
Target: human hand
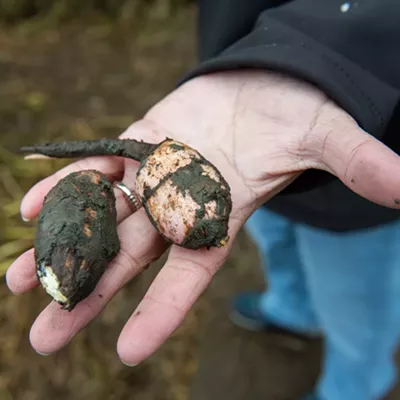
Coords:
pixel 261 130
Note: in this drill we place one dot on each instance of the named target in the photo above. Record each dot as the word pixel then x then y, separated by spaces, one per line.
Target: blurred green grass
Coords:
pixel 15 175
pixel 17 10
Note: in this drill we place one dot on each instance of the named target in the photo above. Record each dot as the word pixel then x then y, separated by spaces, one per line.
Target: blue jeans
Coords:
pixel 345 285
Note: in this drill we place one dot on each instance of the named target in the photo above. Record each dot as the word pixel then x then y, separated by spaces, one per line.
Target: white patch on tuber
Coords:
pixel 50 282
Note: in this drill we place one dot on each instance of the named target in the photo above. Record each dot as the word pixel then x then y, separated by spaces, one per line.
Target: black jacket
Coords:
pixel 351 50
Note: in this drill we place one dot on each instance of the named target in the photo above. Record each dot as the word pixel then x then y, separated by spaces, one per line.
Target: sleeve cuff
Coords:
pixel 275 46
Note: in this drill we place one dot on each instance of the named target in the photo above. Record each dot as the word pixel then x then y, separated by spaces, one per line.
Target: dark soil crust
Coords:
pixel 77 234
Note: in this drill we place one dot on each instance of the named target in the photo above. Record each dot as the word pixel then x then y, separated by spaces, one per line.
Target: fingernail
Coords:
pixel 129 365
pixel 24 218
pixel 11 291
pixel 43 354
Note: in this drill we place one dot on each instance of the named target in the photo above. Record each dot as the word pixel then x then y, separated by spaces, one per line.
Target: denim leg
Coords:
pixel 354 281
pixel 286 301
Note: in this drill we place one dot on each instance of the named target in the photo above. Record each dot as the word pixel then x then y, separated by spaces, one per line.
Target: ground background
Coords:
pixel 80 73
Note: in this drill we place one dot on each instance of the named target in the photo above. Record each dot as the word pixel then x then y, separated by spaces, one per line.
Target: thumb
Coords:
pixel 364 164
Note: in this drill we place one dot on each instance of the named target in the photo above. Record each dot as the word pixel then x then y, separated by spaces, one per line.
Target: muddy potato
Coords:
pixel 76 236
pixel 185 196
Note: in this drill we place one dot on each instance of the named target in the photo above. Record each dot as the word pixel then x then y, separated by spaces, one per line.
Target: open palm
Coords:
pixel 261 131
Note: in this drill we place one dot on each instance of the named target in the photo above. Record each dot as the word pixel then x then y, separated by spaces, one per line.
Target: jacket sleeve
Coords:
pixel 346 49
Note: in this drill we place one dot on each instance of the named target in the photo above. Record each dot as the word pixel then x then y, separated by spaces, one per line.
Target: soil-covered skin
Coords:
pixel 77 234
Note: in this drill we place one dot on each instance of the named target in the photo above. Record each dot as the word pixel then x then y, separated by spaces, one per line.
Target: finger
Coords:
pixel 21 275
pixel 180 282
pixel 112 167
pixel 364 164
pixel 140 245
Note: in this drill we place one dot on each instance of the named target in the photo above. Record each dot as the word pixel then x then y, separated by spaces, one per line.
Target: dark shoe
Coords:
pixel 246 313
